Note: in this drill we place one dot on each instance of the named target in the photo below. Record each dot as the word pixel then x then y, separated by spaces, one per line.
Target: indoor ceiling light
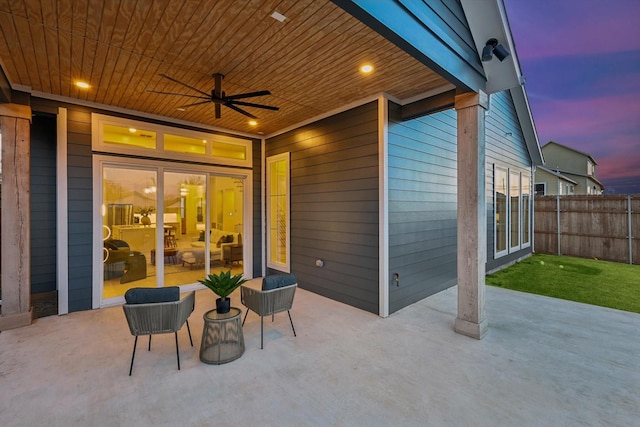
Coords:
pixel 253 123
pixel 493 48
pixel 82 85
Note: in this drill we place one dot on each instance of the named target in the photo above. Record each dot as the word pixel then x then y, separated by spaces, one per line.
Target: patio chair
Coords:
pixel 267 297
pixel 152 311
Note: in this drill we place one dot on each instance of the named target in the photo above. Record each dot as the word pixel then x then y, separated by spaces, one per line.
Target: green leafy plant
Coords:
pixel 223 283
pixel 145 211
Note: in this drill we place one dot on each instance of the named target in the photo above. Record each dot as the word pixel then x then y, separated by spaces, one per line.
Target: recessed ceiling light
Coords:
pixel 181 109
pixel 367 68
pixel 82 85
pixel 278 16
pixel 253 123
pixel 132 130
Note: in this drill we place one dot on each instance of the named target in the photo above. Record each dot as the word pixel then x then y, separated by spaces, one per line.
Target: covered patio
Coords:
pixel 544 362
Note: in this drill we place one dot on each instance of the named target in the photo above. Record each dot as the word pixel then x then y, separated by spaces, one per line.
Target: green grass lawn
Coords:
pixel 590 281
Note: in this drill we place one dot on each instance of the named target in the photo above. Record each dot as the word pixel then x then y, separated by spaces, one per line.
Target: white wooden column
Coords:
pixel 472 214
pixel 15 125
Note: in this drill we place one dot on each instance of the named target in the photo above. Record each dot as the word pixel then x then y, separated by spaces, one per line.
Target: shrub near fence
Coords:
pixel 604 227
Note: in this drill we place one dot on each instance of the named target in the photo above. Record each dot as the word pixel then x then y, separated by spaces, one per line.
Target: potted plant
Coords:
pixel 222 284
pixel 145 211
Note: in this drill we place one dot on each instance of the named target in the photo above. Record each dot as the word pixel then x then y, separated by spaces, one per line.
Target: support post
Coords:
pixel 472 214
pixel 15 125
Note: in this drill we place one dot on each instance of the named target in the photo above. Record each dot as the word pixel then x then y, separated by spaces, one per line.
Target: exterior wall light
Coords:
pixel 492 47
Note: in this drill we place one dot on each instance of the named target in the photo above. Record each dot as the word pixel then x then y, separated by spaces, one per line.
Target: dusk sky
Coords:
pixel 581 61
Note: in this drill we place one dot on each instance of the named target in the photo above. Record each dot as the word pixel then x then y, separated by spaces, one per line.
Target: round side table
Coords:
pixel 222 339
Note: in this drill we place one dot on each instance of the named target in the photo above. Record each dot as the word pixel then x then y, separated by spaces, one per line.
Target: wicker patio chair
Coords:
pixel 267 297
pixel 152 311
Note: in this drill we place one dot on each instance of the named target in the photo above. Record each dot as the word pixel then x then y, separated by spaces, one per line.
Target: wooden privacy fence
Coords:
pixel 588 226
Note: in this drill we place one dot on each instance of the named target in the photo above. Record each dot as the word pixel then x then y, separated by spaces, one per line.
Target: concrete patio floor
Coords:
pixel 544 362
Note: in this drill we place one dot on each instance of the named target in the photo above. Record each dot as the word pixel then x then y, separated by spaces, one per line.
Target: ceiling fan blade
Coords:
pixel 247 95
pixel 233 107
pixel 185 85
pixel 251 104
pixel 178 94
pixel 195 103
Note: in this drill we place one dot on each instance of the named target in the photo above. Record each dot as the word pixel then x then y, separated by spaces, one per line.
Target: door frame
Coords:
pixel 162 166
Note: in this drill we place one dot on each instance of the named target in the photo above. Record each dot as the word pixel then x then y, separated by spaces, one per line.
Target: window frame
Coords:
pixel 516 174
pixel 98 121
pixel 286 266
pixel 161 167
pixel 505 251
pixel 525 227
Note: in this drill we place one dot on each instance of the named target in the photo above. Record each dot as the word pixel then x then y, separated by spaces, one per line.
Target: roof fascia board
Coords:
pixel 557 174
pixel 398 25
pixel 488 19
pixel 523 111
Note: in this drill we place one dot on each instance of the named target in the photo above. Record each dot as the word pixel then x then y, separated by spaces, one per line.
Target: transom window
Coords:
pixel 124 136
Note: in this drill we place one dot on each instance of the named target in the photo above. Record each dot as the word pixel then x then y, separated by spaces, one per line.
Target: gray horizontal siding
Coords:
pixel 258 231
pixel 505 147
pixel 80 198
pixel 334 205
pixel 422 182
pixel 80 208
pixel 43 204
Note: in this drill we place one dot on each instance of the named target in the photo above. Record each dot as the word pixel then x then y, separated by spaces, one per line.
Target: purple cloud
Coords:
pixel 582 63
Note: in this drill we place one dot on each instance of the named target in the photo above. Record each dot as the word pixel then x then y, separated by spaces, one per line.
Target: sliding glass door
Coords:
pixel 167 226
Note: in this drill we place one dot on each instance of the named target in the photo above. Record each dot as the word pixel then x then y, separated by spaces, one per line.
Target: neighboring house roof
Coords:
pixel 570 149
pixel 557 174
pixel 591 177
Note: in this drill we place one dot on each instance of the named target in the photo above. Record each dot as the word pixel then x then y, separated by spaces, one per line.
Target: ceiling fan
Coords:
pixel 218 97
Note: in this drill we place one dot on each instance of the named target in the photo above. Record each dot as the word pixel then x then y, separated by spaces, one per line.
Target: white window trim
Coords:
pixel 99 161
pixel 498 254
pixel 284 267
pixel 544 184
pixel 515 248
pixel 522 225
pixel 98 121
pixel 511 249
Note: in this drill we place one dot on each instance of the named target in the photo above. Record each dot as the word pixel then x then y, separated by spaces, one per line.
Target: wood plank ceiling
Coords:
pixel 310 62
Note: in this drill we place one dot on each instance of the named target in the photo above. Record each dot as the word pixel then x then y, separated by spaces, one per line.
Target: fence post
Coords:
pixel 558 220
pixel 629 229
